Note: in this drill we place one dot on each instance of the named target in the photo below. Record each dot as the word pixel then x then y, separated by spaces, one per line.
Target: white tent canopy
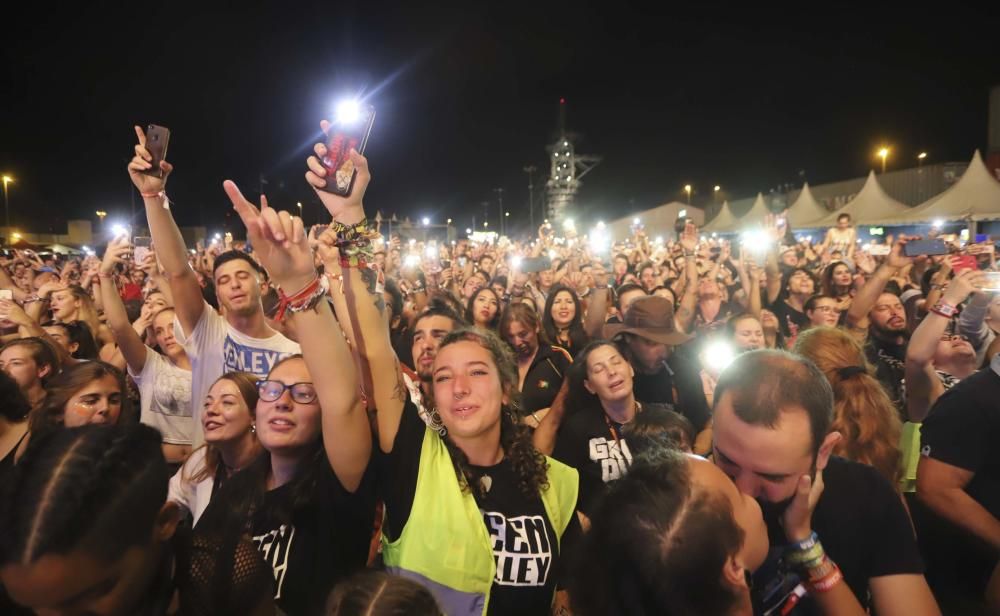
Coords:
pixel 871 204
pixel 758 212
pixel 723 222
pixel 806 210
pixel 976 196
pixel 657 221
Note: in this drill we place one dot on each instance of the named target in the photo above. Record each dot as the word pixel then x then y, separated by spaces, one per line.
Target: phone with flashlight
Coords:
pixel 141 248
pixel 349 130
pixel 916 248
pixel 157 140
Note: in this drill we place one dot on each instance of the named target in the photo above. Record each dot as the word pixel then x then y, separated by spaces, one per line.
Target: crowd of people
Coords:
pixel 336 421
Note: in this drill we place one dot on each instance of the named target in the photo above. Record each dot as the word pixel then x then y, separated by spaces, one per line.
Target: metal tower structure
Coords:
pixel 568 168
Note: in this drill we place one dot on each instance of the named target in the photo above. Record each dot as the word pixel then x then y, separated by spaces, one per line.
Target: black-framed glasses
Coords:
pixel 303 393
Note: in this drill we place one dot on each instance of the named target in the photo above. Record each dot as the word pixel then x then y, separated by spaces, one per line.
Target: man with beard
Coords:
pixel 771 435
pixel 878 318
pixel 429 328
pixel 237 340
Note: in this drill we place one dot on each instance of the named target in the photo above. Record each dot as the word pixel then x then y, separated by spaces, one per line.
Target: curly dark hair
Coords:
pixel 529 465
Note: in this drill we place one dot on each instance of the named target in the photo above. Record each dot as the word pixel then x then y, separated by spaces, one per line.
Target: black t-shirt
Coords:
pixel 889 360
pixel 596 448
pixel 525 547
pixel 963 428
pixel 790 320
pixel 544 378
pixel 861 522
pixel 678 384
pixel 322 541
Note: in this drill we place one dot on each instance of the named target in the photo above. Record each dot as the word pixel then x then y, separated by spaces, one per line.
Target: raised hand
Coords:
pixel 142 162
pixel 349 209
pixel 897 258
pixel 278 238
pixel 117 252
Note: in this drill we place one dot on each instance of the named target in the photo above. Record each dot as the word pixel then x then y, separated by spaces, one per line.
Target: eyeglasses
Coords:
pixel 269 391
pixel 953 338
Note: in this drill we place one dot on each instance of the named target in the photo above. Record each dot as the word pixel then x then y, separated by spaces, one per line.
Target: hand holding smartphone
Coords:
pixel 157 140
pixel 349 131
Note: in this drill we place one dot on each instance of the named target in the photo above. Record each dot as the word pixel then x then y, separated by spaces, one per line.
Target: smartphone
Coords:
pixel 462 261
pixel 964 262
pixel 141 248
pixel 982 237
pixel 991 282
pixel 157 140
pixel 878 250
pixel 6 294
pixel 535 264
pixel 346 133
pixel 916 248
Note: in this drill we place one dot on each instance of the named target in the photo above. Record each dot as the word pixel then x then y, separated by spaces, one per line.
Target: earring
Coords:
pixel 436 424
pixel 253 428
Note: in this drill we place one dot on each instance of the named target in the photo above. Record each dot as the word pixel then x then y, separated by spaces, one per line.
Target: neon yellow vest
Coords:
pixel 445 545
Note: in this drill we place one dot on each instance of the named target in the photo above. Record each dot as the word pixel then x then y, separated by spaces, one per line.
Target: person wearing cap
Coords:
pixel 648 337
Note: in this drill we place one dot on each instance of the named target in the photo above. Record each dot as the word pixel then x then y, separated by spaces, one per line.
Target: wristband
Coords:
pixel 945 309
pixel 827 583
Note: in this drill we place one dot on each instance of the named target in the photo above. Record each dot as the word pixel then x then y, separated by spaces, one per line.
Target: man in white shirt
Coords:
pixel 215 344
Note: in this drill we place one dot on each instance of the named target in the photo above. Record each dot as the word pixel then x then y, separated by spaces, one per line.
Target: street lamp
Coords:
pixel 920 159
pixel 687 189
pixel 100 215
pixel 6 204
pixel 883 153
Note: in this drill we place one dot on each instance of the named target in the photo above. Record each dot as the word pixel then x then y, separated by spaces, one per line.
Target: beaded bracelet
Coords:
pixel 303 299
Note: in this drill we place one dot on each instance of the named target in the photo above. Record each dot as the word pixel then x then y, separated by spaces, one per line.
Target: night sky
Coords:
pixel 466 97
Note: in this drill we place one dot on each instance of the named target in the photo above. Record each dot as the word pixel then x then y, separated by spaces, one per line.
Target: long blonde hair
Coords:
pixel 862 411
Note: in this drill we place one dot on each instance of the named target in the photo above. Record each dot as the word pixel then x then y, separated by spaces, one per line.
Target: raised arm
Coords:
pixel 923 388
pixel 388 387
pixel 864 301
pixel 597 307
pixel 685 313
pixel 281 244
pixel 129 342
pixel 167 240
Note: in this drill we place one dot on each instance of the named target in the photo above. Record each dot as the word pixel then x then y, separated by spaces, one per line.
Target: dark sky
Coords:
pixel 467 96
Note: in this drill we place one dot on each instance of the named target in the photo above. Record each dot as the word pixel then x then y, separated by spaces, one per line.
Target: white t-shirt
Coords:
pixel 215 348
pixel 165 398
pixel 192 496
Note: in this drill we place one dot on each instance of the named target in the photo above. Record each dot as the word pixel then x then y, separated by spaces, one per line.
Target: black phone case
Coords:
pixel 340 171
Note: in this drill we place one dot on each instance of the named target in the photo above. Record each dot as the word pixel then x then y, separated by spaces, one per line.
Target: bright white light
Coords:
pixel 452 242
pixel 411 260
pixel 682 213
pixel 348 111
pixel 938 223
pixel 600 224
pixel 468 231
pixel 636 221
pixel 714 234
pixel 515 262
pixel 193 251
pixel 718 355
pixel 431 251
pixel 659 239
pixel 118 230
pixel 426 221
pixel 599 241
pixel 553 254
pixel 218 236
pixel 569 225
pixel 756 240
pixel 413 242
pixel 809 239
